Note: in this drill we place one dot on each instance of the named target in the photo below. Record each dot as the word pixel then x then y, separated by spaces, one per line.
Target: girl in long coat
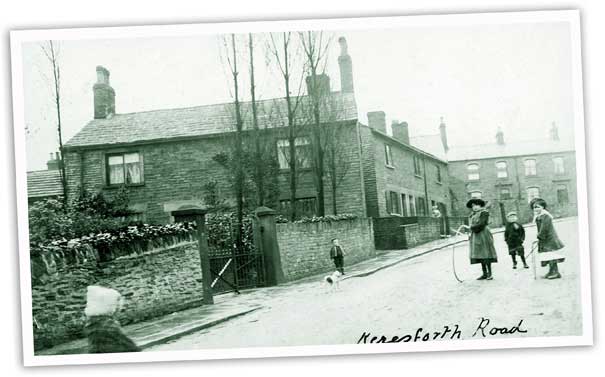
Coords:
pixel 548 240
pixel 482 248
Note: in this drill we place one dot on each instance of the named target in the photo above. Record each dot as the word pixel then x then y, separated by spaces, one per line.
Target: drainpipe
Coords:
pixel 426 190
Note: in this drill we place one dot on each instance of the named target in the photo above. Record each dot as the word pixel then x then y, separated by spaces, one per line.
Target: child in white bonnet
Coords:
pixel 102 328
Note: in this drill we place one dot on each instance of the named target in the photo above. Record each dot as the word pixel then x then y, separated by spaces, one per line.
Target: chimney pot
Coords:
pixel 401 131
pixel 322 83
pixel 443 133
pixel 554 132
pixel 346 67
pixel 104 95
pixel 500 136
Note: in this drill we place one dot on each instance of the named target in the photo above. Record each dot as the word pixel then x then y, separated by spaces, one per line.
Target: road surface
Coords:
pixel 419 293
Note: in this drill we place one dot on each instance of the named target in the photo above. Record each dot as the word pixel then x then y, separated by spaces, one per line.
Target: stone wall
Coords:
pixel 154 283
pixel 305 248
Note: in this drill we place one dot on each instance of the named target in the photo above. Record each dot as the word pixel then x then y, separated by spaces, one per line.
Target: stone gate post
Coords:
pixel 265 239
pixel 199 216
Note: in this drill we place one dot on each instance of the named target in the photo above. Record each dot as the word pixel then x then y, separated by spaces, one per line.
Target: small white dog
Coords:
pixel 333 281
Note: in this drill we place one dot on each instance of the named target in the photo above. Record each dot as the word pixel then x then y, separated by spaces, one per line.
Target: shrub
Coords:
pixel 328 218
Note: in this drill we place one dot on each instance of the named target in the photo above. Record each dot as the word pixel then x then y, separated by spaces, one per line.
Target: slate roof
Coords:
pixel 409 146
pixel 522 148
pixel 159 125
pixel 44 183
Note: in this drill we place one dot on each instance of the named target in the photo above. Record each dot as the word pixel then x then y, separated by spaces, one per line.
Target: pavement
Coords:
pixel 168 329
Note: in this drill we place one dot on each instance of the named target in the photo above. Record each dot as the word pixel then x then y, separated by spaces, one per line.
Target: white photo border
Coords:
pixel 18 37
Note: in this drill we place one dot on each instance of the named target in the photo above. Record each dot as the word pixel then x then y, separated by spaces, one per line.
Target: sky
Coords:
pixel 477 77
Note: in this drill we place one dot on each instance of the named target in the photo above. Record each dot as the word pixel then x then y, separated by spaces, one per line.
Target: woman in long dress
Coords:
pixel 482 248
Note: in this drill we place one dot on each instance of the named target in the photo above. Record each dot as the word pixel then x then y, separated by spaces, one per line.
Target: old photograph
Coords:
pixel 301 188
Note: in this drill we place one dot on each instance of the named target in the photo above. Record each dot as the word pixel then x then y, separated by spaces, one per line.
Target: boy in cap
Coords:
pixel 102 328
pixel 514 235
pixel 337 255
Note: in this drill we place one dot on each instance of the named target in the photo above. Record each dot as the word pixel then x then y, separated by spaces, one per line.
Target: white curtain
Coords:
pixel 133 168
pixel 116 169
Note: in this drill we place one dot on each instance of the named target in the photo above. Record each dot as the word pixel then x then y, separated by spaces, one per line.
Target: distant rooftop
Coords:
pixel 44 183
pixel 521 148
pixel 159 125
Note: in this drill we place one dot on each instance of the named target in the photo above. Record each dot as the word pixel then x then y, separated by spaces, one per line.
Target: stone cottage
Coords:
pixel 164 157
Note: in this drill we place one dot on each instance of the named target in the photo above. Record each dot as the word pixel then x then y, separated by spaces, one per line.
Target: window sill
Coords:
pixel 111 187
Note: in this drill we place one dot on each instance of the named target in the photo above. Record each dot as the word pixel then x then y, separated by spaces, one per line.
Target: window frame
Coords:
pixel 561 187
pixel 417 166
pixel 500 170
pixel 394 207
pixel 306 164
pixel 509 192
pixel 388 156
pixel 439 177
pixel 285 206
pixel 529 199
pixel 404 205
pixel 470 194
pixel 122 153
pixel 473 172
pixel 562 159
pixel 526 168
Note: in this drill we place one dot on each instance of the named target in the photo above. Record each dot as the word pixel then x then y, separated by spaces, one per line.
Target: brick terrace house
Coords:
pixel 509 175
pixel 164 157
pixel 400 178
pixel 45 184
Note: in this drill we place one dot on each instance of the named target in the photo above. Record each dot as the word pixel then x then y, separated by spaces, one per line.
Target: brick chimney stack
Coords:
pixel 500 136
pixel 443 133
pixel 321 82
pixel 400 131
pixel 554 132
pixel 346 67
pixel 104 95
pixel 377 121
pixel 54 163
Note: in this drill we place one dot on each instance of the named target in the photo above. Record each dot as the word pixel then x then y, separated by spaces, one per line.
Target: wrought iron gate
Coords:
pixel 232 267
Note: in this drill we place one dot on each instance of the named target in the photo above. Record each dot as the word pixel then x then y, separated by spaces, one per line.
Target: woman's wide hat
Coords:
pixel 478 201
pixel 538 201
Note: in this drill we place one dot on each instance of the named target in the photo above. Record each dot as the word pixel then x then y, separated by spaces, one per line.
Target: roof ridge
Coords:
pixel 505 144
pixel 220 103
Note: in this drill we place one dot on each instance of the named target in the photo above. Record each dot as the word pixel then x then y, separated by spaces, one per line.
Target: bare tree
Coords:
pixel 335 132
pixel 231 53
pixel 258 176
pixel 315 46
pixel 52 54
pixel 281 49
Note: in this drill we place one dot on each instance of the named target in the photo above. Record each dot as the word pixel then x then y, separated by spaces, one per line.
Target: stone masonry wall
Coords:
pixel 305 248
pixel 152 284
